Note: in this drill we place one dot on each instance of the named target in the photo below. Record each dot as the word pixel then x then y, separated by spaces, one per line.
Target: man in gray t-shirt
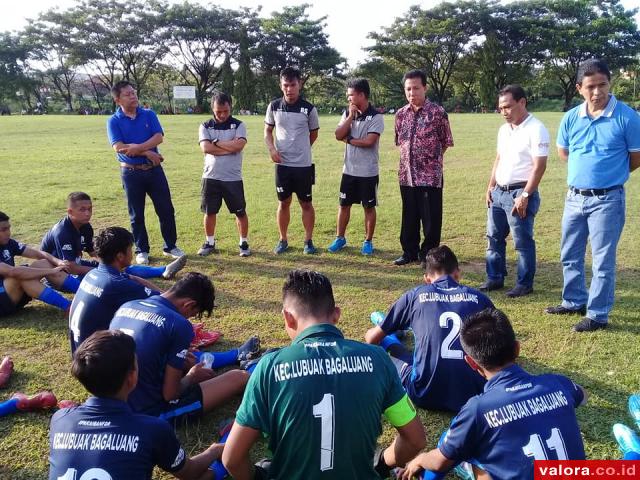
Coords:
pixel 222 139
pixel 360 128
pixel 296 124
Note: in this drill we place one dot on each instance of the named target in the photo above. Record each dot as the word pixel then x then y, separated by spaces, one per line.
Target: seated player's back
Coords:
pixel 441 379
pixel 100 294
pixel 325 398
pixel 520 418
pixel 105 437
pixel 162 338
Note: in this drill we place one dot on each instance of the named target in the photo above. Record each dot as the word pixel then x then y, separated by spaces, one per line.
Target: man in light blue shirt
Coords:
pixel 600 139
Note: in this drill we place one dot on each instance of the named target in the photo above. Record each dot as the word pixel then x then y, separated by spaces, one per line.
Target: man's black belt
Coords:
pixel 592 192
pixel 511 186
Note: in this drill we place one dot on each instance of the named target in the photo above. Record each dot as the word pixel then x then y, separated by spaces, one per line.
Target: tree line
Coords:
pixel 470 49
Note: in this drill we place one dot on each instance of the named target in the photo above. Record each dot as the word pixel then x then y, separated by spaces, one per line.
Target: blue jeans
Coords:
pixel 137 184
pixel 598 219
pixel 500 221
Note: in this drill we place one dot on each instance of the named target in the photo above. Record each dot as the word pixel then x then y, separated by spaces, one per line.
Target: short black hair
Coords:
pixel 360 85
pixel 440 260
pixel 119 86
pixel 415 74
pixel 291 73
pixel 4 217
pixel 591 67
pixel 111 241
pixel 516 91
pixel 102 362
pixel 488 338
pixel 197 287
pixel 221 98
pixel 74 197
pixel 311 291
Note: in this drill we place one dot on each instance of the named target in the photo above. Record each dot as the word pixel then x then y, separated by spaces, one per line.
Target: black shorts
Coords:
pixel 214 191
pixel 7 307
pixel 359 190
pixel 188 406
pixel 298 180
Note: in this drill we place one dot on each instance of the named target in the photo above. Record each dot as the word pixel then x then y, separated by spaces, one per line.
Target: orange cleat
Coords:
pixel 40 401
pixel 6 368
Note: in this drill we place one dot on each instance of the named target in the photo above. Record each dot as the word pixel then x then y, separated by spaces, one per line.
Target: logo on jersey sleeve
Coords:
pixel 148 291
pixel 6 254
pixel 304 110
pixel 182 354
pixel 178 459
pixel 67 246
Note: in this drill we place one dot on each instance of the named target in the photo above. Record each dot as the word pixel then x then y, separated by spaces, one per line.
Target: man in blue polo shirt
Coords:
pixel 135 133
pixel 435 375
pixel 105 288
pixel 103 438
pixel 601 141
pixel 163 336
pixel 518 419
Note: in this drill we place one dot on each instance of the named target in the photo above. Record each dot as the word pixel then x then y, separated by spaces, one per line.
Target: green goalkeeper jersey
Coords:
pixel 320 402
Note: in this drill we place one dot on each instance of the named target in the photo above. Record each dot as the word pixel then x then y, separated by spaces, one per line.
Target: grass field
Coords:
pixel 42 159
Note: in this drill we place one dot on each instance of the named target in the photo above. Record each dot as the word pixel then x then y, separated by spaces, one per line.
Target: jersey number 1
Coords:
pixel 325 410
pixel 555 442
pixel 91 474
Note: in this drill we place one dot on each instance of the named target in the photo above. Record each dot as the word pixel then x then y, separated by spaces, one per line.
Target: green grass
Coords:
pixel 42 159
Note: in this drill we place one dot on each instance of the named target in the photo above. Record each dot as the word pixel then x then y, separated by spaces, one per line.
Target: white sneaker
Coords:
pixel 142 258
pixel 174 267
pixel 175 252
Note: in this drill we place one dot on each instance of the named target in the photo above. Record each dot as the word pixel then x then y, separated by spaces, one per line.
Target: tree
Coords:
pixel 13 57
pixel 291 38
pixel 199 38
pixel 226 76
pixel 433 40
pixel 245 97
pixel 385 81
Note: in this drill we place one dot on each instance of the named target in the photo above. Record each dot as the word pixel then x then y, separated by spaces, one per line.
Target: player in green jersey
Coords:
pixel 320 399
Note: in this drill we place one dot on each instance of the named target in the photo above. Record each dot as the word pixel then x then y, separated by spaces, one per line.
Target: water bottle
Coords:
pixel 377 317
pixel 207 358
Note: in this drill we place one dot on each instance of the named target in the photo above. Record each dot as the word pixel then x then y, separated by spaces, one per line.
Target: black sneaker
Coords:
pixel 560 310
pixel 588 325
pixel 491 285
pixel 249 349
pixel 404 260
pixel 519 291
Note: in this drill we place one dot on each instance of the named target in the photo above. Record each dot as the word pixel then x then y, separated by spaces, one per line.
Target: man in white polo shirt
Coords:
pixel 512 195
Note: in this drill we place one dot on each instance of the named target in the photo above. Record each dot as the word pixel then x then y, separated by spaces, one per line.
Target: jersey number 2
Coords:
pixel 446 351
pixel 91 474
pixel 555 442
pixel 325 410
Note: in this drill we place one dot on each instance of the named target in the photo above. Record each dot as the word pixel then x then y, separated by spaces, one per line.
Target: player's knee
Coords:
pixel 306 206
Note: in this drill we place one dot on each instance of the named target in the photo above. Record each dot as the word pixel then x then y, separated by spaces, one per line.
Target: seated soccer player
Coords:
pixel 518 419
pixel 103 438
pixel 18 285
pixel 73 235
pixel 106 287
pixel 435 376
pixel 320 399
pixel 163 334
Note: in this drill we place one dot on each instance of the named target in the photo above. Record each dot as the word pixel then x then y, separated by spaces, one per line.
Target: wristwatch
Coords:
pixel 349 138
pixel 525 194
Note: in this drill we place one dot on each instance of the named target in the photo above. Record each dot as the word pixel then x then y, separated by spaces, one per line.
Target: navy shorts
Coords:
pixel 298 180
pixel 7 307
pixel 362 190
pixel 187 407
pixel 214 191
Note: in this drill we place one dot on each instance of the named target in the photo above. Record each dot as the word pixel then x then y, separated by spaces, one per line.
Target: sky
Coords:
pixel 348 21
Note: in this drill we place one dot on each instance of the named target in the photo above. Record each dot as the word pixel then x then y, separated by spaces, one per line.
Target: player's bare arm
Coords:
pixel 313 136
pixel 492 181
pixel 634 160
pixel 366 142
pixel 236 452
pixel 563 153
pixel 145 282
pixel 268 140
pixel 410 440
pixel 520 203
pixel 137 149
pixel 27 273
pixel 36 254
pixel 196 466
pixel 344 128
pixel 374 335
pixel 433 460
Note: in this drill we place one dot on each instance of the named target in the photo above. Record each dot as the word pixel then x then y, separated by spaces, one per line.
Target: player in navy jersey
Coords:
pixel 102 438
pixel 19 284
pixel 106 287
pixel 518 419
pixel 435 375
pixel 163 335
pixel 73 235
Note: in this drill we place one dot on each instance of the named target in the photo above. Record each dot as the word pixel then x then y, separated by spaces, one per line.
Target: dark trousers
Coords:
pixel 137 185
pixel 420 205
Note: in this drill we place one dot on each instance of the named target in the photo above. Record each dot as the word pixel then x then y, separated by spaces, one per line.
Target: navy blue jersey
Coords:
pixel 100 294
pixel 105 438
pixel 8 252
pixel 518 419
pixel 162 338
pixel 66 242
pixel 440 378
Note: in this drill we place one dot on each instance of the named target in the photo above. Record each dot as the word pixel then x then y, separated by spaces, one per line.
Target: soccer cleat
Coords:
pixel 634 408
pixel 175 252
pixel 377 317
pixel 174 267
pixel 281 247
pixel 249 349
pixel 247 364
pixel 207 249
pixel 6 369
pixel 39 401
pixel 338 244
pixel 142 258
pixel 244 249
pixel 367 248
pixel 309 248
pixel 628 440
pixel 202 337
